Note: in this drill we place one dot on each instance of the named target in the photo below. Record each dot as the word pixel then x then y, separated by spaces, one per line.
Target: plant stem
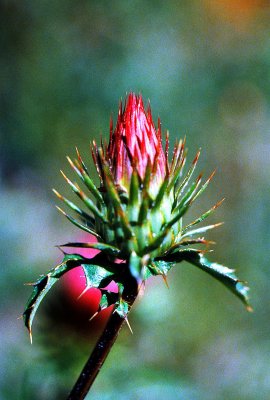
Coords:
pixel 102 348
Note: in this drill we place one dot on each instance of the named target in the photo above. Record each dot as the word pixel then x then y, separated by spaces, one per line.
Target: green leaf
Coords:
pixel 122 309
pixel 108 298
pixel 44 284
pixel 221 273
pixel 105 248
pixel 96 276
pixel 158 267
pixel 98 271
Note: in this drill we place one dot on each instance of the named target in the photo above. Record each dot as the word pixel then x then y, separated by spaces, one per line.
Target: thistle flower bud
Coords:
pixel 136 213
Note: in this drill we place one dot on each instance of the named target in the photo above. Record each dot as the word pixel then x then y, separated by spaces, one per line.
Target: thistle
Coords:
pixel 137 215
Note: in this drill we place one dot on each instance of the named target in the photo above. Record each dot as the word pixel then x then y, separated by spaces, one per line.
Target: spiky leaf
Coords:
pixel 122 308
pixel 108 298
pixel 220 272
pixel 44 284
pixel 158 267
pixel 96 276
pixel 105 248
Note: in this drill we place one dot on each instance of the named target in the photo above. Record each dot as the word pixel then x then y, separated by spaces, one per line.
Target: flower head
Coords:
pixel 137 213
pixel 135 144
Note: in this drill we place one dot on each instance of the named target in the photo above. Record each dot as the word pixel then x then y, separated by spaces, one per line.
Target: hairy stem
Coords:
pixel 102 348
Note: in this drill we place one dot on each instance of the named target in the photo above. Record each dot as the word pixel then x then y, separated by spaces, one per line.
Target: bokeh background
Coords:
pixel 205 66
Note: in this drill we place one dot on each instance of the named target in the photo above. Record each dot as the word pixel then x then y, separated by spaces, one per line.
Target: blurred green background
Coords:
pixel 205 66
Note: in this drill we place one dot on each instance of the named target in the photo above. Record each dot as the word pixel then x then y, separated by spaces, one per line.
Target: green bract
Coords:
pixel 136 214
